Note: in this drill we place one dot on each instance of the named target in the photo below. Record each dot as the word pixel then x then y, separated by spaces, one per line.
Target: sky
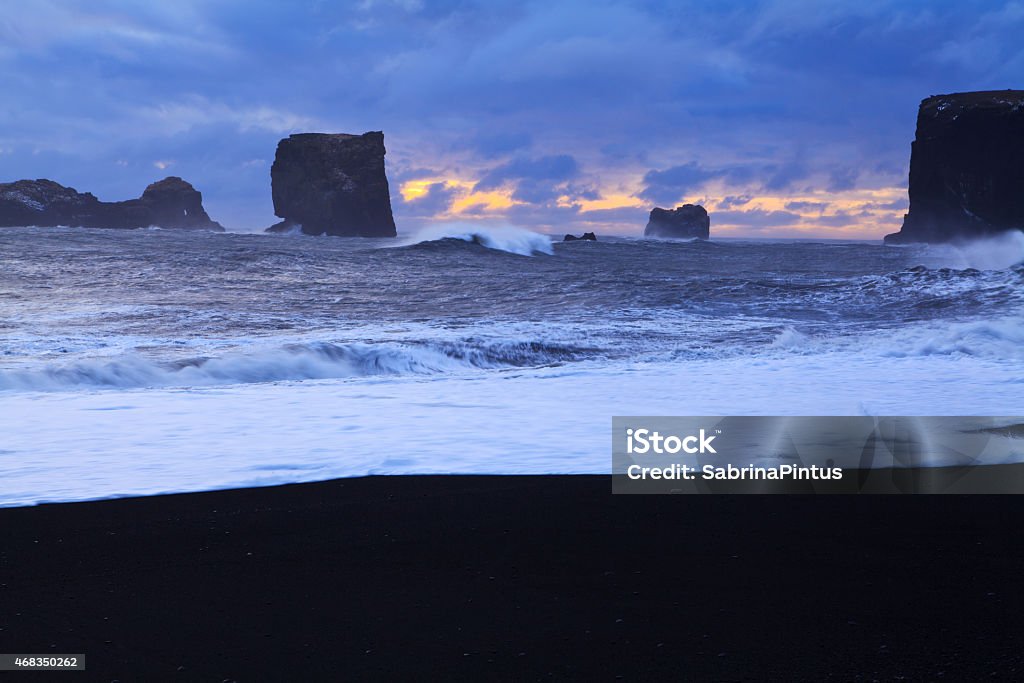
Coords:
pixel 783 118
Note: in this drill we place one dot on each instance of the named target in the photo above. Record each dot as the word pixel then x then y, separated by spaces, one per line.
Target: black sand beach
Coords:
pixel 516 578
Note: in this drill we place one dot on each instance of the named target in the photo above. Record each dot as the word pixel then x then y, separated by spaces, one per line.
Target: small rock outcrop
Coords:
pixel 332 184
pixel 688 221
pixel 966 173
pixel 169 203
pixel 588 236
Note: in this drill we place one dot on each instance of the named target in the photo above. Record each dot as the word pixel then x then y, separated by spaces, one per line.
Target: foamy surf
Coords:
pixel 150 361
pixel 95 444
pixel 291 362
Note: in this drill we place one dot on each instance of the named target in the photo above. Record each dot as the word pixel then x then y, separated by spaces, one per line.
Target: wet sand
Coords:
pixel 516 578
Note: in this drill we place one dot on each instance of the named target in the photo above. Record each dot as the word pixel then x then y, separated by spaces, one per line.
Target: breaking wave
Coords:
pixel 998 252
pixel 997 339
pixel 500 238
pixel 294 362
pixel 789 338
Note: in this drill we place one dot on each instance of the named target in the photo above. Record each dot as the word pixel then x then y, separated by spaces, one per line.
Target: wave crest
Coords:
pixel 293 362
pixel 997 252
pixel 507 238
pixel 1001 339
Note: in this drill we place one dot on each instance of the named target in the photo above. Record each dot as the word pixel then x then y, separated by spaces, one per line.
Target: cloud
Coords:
pixel 755 219
pixel 842 179
pixel 901 204
pixel 172 118
pixel 733 201
pixel 842 218
pixel 583 192
pixel 549 168
pixel 436 199
pixel 671 184
pixel 806 206
pixel 537 180
pixel 658 100
pixel 490 145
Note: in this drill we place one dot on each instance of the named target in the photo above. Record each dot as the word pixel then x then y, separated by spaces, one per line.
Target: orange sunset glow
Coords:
pixel 735 212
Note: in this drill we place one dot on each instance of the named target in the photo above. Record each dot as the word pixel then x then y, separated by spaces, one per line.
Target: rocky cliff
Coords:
pixel 688 221
pixel 169 203
pixel 332 184
pixel 966 168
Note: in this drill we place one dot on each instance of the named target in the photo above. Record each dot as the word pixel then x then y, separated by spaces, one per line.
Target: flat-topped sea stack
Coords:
pixel 689 221
pixel 966 168
pixel 169 203
pixel 332 184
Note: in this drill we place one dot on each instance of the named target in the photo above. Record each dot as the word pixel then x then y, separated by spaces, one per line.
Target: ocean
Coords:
pixel 151 361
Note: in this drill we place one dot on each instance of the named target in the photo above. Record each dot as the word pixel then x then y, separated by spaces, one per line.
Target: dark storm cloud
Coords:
pixel 665 187
pixel 785 176
pixel 654 95
pixel 551 169
pixel 673 183
pixel 534 181
pixel 842 179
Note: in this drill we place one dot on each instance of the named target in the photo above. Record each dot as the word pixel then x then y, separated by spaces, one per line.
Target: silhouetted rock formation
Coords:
pixel 169 203
pixel 966 169
pixel 687 221
pixel 333 184
pixel 589 236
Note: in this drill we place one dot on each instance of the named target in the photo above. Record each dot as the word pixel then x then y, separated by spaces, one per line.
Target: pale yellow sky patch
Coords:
pixel 491 200
pixel 414 189
pixel 610 201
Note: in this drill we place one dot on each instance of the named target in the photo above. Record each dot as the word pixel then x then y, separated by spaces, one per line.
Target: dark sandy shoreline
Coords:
pixel 516 578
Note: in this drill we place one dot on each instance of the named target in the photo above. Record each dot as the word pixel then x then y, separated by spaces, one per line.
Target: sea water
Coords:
pixel 147 361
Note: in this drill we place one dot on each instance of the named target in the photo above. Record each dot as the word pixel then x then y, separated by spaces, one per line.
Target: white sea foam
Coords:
pixel 996 339
pixel 790 338
pixel 487 348
pixel 508 238
pixel 98 444
pixel 404 408
pixel 1001 338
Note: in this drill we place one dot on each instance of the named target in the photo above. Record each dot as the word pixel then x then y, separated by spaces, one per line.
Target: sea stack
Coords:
pixel 689 221
pixel 169 203
pixel 333 184
pixel 966 173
